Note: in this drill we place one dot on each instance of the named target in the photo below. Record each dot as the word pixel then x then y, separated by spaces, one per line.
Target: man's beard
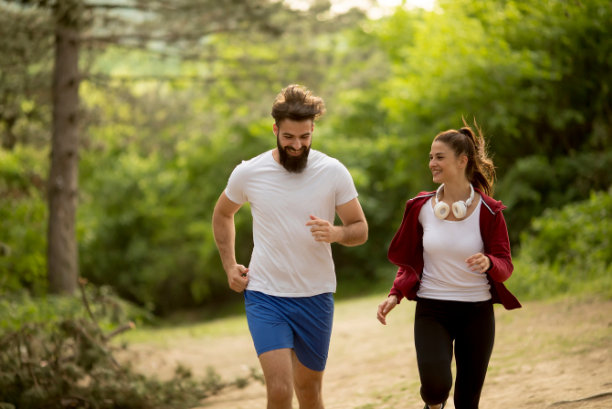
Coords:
pixel 293 164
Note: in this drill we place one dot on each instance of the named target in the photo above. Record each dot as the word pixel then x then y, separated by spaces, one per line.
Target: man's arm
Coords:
pixel 224 231
pixel 353 232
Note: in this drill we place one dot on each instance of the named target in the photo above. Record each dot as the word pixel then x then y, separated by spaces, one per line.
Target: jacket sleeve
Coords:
pixel 501 259
pixel 395 291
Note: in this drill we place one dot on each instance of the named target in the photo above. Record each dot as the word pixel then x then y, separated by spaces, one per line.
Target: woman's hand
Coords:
pixel 478 262
pixel 385 307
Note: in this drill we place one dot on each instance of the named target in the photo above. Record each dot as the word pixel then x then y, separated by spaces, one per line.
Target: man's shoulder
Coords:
pixel 321 159
pixel 261 158
pixel 253 163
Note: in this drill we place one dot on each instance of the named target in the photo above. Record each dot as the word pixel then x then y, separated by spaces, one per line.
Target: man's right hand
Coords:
pixel 238 277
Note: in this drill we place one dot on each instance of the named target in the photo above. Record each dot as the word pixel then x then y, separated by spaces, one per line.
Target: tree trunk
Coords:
pixel 62 255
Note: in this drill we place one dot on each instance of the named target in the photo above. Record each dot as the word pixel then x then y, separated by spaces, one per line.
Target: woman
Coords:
pixel 453 254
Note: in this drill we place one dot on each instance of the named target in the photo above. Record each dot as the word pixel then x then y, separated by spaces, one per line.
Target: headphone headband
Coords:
pixel 467 202
pixel 459 208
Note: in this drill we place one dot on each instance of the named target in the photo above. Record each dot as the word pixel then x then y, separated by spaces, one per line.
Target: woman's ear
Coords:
pixel 463 160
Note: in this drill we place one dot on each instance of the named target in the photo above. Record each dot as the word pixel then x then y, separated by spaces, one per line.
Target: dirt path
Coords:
pixel 544 353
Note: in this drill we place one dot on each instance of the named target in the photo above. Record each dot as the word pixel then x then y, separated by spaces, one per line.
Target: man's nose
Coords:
pixel 297 145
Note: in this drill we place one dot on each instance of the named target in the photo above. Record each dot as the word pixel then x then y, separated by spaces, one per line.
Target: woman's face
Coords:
pixel 444 165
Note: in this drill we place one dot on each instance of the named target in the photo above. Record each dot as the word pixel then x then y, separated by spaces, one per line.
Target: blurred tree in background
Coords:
pixel 164 122
pixel 77 23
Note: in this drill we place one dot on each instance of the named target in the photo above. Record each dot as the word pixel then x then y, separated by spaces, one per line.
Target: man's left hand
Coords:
pixel 322 230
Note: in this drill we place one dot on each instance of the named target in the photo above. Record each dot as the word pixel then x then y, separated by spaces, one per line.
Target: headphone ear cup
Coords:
pixel 459 209
pixel 441 210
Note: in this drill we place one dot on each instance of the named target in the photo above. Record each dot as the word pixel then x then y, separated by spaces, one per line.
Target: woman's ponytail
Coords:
pixel 480 170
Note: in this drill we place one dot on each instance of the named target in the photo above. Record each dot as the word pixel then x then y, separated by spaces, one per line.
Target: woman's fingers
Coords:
pixel 381 313
pixel 478 262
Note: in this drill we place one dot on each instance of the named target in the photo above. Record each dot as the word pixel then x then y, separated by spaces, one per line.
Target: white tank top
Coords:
pixel 446 246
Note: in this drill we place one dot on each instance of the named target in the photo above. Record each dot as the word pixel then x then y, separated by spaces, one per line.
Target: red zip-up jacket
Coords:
pixel 406 250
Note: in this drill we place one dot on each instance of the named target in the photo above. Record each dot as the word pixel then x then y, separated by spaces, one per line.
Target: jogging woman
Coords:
pixel 453 254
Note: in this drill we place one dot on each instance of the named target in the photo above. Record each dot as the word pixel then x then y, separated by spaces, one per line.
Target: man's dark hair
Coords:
pixel 298 104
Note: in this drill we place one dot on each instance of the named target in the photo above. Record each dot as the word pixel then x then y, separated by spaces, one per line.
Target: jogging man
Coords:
pixel 294 193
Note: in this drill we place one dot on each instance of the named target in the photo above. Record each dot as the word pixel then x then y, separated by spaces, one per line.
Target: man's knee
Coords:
pixel 279 391
pixel 308 391
pixel 308 388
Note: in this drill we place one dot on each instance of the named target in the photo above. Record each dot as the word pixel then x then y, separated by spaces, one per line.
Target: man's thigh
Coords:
pixel 305 379
pixel 312 322
pixel 277 365
pixel 268 323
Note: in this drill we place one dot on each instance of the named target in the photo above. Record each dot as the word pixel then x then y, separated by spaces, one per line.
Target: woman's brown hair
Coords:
pixel 480 170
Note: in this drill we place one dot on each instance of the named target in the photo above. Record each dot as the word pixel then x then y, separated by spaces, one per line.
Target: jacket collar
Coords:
pixel 491 204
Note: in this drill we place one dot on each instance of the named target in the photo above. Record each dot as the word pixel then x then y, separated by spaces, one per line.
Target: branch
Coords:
pixel 125 327
pixel 101 79
pixel 594 397
pixel 82 283
pixel 158 78
pixel 111 6
pixel 147 37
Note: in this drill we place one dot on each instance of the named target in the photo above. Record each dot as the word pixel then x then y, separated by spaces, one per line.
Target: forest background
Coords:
pixel 161 131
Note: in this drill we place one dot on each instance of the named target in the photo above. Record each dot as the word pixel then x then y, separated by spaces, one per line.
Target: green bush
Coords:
pixel 55 353
pixel 71 365
pixel 18 308
pixel 567 251
pixel 23 221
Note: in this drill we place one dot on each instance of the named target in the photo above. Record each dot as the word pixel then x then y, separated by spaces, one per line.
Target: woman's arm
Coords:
pixel 501 259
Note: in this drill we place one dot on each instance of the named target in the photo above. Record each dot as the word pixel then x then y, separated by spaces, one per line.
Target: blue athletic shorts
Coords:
pixel 301 323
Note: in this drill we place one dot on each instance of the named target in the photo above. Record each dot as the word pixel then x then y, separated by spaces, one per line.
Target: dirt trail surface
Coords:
pixel 547 354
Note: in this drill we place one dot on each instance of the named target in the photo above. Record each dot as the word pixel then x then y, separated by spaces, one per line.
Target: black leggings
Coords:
pixel 436 325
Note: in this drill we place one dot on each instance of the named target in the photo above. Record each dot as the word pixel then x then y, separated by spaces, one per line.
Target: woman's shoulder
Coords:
pixel 490 203
pixel 423 195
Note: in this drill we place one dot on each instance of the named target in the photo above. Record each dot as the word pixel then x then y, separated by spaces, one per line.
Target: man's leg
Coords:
pixel 278 372
pixel 308 385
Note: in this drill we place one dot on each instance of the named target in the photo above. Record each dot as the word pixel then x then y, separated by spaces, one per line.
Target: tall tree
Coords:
pixel 177 27
pixel 62 254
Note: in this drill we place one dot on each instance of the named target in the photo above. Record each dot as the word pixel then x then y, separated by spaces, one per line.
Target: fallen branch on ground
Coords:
pixel 594 397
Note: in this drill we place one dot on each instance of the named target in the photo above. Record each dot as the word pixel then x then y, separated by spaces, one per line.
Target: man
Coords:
pixel 288 287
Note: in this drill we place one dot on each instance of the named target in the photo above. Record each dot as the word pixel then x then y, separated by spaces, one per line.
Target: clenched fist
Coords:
pixel 238 277
pixel 324 231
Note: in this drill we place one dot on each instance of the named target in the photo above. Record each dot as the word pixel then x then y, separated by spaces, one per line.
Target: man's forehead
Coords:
pixel 292 126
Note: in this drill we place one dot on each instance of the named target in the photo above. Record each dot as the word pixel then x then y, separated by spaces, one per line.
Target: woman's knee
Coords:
pixel 434 394
pixel 435 387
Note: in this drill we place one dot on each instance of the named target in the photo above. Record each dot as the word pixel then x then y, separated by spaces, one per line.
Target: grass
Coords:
pixel 163 335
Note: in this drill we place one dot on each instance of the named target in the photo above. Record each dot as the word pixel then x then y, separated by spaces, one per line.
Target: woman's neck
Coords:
pixel 455 191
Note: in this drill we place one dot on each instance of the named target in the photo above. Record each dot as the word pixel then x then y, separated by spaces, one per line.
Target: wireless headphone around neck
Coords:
pixel 442 210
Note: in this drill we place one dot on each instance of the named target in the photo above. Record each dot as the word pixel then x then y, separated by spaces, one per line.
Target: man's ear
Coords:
pixel 275 129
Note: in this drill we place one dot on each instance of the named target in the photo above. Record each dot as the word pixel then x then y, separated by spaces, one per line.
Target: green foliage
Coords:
pixel 390 85
pixel 156 155
pixel 17 308
pixel 61 357
pixel 70 365
pixel 25 76
pixel 567 250
pixel 534 74
pixel 23 223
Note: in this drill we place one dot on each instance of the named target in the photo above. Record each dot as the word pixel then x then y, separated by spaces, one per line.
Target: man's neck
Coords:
pixel 276 155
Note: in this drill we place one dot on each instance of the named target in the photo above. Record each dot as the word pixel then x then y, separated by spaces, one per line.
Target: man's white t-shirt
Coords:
pixel 286 259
